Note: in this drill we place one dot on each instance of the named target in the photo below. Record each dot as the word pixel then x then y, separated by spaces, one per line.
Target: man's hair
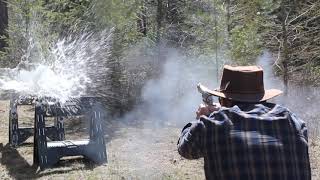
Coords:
pixel 241 102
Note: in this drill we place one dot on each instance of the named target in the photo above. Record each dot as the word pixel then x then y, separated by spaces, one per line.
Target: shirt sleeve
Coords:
pixel 300 126
pixel 191 141
pixel 304 132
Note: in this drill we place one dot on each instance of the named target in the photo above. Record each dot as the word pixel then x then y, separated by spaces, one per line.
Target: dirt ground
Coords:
pixel 134 152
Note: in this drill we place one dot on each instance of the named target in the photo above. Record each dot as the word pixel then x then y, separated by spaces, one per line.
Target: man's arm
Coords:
pixel 300 126
pixel 191 141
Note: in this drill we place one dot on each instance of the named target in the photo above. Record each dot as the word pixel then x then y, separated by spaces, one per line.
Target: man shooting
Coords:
pixel 247 137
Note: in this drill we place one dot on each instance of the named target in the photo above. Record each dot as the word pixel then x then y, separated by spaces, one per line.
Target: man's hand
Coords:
pixel 207 109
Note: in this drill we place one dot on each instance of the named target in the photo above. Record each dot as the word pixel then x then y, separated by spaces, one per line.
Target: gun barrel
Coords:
pixel 206 96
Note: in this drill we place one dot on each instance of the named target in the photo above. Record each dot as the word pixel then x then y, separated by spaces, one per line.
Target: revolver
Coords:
pixel 207 97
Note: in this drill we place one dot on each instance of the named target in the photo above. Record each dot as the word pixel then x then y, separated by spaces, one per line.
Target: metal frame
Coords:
pixel 18 135
pixel 47 153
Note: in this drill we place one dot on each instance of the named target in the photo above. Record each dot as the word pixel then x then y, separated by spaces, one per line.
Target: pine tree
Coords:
pixel 3 24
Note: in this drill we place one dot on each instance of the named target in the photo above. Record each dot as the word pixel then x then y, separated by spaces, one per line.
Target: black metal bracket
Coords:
pixel 49 153
pixel 18 135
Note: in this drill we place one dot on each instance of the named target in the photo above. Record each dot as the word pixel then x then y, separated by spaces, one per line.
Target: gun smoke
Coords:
pixel 172 98
pixel 303 100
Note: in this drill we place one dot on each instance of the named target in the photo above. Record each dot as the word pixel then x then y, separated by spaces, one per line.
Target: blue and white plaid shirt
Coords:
pixel 249 142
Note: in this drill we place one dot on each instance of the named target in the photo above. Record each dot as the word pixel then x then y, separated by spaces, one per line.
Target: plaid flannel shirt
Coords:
pixel 249 142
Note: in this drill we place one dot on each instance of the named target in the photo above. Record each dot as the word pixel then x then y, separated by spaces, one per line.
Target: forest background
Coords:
pixel 148 69
pixel 145 29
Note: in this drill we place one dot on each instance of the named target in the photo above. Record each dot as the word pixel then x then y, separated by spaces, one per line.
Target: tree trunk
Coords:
pixel 175 17
pixel 285 53
pixel 3 23
pixel 159 55
pixel 159 20
pixel 216 39
pixel 142 19
pixel 228 16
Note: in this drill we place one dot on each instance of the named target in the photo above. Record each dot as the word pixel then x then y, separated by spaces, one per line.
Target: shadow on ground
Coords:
pixel 18 167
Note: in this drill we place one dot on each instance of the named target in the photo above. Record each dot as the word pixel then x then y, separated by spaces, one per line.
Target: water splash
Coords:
pixel 65 72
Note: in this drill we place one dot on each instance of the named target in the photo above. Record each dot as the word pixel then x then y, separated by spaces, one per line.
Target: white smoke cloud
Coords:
pixel 172 98
pixel 303 100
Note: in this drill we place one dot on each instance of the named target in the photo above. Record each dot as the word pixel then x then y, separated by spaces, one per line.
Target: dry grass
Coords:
pixel 134 152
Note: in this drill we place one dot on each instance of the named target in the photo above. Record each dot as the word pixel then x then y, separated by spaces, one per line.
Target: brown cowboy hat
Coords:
pixel 244 84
